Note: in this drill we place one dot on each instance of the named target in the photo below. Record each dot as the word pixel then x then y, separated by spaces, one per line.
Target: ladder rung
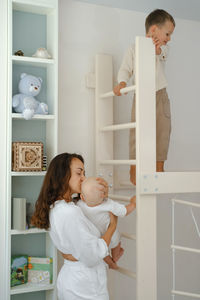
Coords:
pixel 122 91
pixel 119 197
pixel 185 294
pixel 118 162
pixel 119 127
pixel 126 272
pixel 185 249
pixel 128 236
pixel 126 183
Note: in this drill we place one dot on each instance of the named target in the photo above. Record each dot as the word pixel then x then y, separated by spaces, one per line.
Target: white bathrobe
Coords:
pixel 72 233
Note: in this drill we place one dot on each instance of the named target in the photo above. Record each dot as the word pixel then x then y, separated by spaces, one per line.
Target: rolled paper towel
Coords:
pixel 19 213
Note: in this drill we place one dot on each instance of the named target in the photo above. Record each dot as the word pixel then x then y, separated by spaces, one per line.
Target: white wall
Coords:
pixel 87 29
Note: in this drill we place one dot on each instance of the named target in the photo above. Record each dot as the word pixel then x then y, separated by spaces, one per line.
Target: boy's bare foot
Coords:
pixel 133 174
pixel 117 256
pixel 160 166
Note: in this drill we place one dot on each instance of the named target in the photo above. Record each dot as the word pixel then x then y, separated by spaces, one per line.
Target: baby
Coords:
pixel 96 208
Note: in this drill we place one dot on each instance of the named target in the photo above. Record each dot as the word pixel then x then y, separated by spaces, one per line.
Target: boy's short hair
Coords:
pixel 158 17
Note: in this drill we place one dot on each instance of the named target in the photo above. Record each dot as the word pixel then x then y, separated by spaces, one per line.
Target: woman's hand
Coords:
pixel 104 188
pixel 111 229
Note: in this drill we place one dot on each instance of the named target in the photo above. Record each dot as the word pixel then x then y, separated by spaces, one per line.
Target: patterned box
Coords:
pixel 27 156
pixel 40 270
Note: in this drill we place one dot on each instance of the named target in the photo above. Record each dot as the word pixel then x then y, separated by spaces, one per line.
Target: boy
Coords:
pixel 97 209
pixel 159 26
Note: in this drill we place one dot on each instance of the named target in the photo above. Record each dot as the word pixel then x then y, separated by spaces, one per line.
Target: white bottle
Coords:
pixel 19 213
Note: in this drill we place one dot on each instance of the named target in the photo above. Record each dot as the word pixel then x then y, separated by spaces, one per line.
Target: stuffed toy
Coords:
pixel 25 102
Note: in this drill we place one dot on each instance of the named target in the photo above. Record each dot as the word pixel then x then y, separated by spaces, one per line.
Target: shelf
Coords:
pixel 28 231
pixel 38 6
pixel 35 117
pixel 33 61
pixel 30 287
pixel 42 173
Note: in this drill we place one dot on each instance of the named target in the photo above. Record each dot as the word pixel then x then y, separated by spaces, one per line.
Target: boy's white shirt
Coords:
pixel 127 69
pixel 100 217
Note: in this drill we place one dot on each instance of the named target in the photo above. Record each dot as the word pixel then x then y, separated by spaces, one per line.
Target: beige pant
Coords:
pixel 163 127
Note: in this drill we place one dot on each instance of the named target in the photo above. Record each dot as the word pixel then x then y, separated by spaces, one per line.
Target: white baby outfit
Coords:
pixel 99 216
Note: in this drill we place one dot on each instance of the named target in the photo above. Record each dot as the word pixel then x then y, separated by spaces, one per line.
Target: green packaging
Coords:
pixel 40 270
pixel 19 269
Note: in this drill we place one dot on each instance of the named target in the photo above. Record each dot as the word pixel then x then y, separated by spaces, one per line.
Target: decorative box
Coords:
pixel 27 156
pixel 19 270
pixel 40 270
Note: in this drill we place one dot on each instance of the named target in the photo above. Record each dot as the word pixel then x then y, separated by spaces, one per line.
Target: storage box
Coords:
pixel 40 270
pixel 19 269
pixel 27 156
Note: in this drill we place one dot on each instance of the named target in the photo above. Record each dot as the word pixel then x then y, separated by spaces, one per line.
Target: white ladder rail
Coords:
pixel 122 91
pixel 119 127
pixel 119 197
pixel 118 162
pixel 128 236
pixel 126 272
pixel 146 280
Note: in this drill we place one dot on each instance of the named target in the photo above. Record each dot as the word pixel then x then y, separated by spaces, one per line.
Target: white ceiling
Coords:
pixel 184 9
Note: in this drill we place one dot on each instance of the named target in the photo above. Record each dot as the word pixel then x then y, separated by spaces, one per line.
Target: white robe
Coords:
pixel 72 233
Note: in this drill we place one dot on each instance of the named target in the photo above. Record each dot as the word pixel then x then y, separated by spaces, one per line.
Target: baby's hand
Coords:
pixel 118 87
pixel 133 200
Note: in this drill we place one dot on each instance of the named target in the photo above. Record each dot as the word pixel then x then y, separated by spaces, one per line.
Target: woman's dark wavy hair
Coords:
pixel 55 185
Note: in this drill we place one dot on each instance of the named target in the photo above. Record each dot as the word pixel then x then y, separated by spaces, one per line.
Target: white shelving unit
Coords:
pixel 31 24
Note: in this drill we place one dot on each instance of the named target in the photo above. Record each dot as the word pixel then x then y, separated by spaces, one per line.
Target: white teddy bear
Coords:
pixel 25 102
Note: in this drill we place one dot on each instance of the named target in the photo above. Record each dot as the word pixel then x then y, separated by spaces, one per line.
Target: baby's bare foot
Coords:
pixel 117 256
pixel 113 265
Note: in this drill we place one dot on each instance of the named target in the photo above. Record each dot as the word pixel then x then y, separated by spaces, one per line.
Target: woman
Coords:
pixel 83 275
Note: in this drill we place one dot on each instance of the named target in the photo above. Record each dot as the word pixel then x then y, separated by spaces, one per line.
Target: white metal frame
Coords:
pixel 175 247
pixel 149 183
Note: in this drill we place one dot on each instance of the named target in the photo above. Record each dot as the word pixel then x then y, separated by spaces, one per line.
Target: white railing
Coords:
pixel 180 293
pixel 181 248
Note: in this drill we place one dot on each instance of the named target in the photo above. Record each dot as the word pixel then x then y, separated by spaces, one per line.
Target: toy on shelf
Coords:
pixel 42 53
pixel 27 156
pixel 19 53
pixel 25 102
